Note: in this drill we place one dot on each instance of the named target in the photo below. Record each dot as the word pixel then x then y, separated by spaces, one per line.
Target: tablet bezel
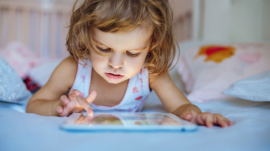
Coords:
pixel 68 124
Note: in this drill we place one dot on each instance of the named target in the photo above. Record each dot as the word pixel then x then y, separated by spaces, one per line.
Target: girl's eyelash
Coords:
pixel 104 50
pixel 107 50
pixel 132 54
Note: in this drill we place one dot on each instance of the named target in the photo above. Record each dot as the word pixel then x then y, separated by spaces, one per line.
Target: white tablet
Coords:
pixel 127 122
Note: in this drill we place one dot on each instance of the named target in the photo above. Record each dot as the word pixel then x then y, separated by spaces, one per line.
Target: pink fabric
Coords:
pixel 19 57
pixel 205 78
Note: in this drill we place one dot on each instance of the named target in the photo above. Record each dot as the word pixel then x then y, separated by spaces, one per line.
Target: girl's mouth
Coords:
pixel 114 76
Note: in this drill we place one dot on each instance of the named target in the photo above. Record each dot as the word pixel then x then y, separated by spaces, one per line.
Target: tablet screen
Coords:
pixel 125 119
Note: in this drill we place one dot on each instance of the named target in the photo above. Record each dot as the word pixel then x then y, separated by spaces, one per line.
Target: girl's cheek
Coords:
pixel 98 59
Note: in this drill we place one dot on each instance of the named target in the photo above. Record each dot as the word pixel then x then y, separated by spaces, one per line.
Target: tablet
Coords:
pixel 126 122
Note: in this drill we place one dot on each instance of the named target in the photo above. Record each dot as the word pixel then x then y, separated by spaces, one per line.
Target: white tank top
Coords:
pixel 134 98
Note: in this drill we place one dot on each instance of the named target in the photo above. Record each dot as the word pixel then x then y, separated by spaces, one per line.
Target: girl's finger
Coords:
pixel 64 100
pixel 73 94
pixel 85 105
pixel 229 123
pixel 91 97
pixel 199 119
pixel 220 121
pixel 194 114
pixel 186 115
pixel 65 112
pixel 209 120
pixel 59 109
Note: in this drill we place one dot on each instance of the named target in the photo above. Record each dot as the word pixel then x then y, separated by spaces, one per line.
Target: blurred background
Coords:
pixel 40 24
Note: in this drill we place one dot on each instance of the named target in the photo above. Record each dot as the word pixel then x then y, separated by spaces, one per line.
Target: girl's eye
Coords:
pixel 132 54
pixel 107 50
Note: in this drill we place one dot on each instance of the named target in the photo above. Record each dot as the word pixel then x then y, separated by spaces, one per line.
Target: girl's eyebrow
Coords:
pixel 109 47
pixel 99 42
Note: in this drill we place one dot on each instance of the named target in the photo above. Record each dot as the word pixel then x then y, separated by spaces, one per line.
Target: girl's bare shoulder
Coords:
pixel 63 75
pixel 60 81
pixel 68 62
pixel 66 70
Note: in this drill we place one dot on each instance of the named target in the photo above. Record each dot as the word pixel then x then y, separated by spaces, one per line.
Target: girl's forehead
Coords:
pixel 139 36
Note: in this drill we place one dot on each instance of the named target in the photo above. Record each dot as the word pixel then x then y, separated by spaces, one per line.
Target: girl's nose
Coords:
pixel 116 61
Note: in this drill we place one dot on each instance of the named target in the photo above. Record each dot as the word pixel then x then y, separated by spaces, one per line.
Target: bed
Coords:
pixel 251 131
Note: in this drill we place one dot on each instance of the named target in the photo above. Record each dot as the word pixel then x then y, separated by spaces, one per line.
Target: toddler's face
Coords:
pixel 125 53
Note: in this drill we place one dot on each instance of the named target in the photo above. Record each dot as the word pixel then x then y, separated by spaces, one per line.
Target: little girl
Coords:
pixel 120 50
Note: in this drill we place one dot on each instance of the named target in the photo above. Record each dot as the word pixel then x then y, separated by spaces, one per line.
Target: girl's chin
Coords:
pixel 113 82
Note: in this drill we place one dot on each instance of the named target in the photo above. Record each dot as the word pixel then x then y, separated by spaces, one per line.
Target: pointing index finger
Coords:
pixel 85 105
pixel 91 97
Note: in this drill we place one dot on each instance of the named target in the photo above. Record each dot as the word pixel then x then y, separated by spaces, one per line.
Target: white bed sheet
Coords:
pixel 24 131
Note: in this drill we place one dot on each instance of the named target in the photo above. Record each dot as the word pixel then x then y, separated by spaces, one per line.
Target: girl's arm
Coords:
pixel 175 102
pixel 45 100
pixel 169 94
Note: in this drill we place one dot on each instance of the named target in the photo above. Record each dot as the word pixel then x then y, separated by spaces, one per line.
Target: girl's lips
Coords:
pixel 113 76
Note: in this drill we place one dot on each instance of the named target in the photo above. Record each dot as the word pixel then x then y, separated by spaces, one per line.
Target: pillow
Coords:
pixel 12 88
pixel 19 57
pixel 254 88
pixel 210 69
pixel 42 72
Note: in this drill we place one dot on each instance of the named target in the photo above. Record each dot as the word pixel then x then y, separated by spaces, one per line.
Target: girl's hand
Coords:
pixel 193 114
pixel 85 120
pixel 75 103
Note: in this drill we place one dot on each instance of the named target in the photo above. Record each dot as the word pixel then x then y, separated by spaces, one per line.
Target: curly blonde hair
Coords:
pixel 124 15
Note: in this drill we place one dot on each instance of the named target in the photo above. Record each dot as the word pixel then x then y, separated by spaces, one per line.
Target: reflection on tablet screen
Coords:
pixel 126 119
